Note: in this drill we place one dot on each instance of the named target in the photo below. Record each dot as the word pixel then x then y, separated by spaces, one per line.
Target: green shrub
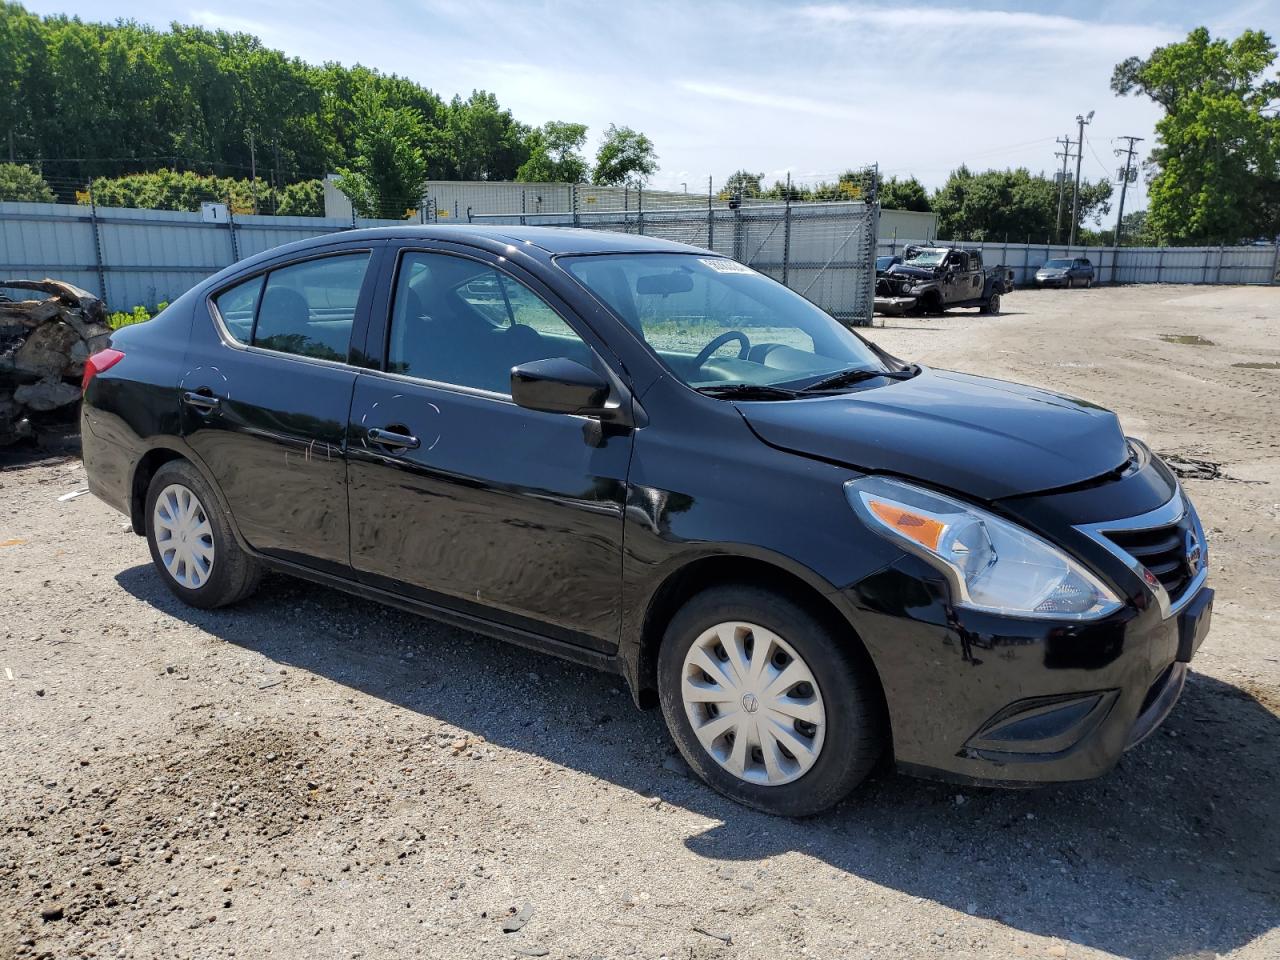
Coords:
pixel 185 190
pixel 139 314
pixel 21 182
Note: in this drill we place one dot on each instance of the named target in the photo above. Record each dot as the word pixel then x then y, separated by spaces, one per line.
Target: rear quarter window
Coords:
pixel 236 307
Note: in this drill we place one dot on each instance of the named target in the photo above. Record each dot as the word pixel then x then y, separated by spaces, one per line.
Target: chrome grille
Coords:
pixel 1164 547
pixel 1162 550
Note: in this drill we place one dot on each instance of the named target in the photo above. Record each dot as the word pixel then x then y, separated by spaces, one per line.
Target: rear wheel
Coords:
pixel 191 542
pixel 767 703
pixel 1088 283
pixel 992 305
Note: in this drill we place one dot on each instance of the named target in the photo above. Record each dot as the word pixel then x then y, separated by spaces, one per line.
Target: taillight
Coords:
pixel 102 360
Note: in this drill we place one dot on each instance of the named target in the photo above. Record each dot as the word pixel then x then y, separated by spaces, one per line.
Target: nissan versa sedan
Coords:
pixel 651 459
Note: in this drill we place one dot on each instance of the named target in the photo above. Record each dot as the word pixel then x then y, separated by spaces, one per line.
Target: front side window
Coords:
pixel 716 322
pixel 462 322
pixel 309 308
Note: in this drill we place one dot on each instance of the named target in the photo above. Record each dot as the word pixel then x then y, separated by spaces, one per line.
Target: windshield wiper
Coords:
pixel 747 391
pixel 847 378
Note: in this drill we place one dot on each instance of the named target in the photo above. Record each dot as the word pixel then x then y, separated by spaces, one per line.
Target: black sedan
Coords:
pixel 654 460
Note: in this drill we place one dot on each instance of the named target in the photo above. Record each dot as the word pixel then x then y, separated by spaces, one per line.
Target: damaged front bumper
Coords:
pixel 896 306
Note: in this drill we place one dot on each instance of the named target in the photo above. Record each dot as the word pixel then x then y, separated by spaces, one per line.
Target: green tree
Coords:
pixel 625 156
pixel 742 184
pixel 1215 170
pixel 851 185
pixel 1013 204
pixel 908 194
pixel 481 140
pixel 555 154
pixel 21 182
pixel 388 173
pixel 108 100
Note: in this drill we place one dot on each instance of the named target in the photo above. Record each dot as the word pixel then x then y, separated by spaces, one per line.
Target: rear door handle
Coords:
pixel 201 401
pixel 392 438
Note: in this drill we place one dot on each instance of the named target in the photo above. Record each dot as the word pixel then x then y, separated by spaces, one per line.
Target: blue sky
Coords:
pixel 809 88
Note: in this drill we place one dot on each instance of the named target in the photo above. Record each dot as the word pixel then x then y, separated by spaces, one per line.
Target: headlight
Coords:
pixel 993 565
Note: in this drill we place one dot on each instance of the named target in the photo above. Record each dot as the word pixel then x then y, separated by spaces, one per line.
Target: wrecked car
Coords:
pixel 936 278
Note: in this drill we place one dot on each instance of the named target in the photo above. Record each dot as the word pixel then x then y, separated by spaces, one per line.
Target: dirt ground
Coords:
pixel 311 775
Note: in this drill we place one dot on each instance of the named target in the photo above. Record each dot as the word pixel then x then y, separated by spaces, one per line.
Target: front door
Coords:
pixel 956 287
pixel 463 499
pixel 265 398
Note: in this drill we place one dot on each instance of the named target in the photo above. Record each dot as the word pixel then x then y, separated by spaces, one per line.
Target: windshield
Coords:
pixel 928 258
pixel 716 322
pixel 884 263
pixel 1058 263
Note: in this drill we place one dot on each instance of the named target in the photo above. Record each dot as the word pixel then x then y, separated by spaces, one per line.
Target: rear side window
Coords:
pixel 307 309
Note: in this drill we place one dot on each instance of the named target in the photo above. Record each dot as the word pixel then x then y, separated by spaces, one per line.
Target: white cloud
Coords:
pixel 1000 27
pixel 772 101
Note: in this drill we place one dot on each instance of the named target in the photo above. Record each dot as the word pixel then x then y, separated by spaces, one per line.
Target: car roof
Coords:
pixel 551 240
pixel 546 241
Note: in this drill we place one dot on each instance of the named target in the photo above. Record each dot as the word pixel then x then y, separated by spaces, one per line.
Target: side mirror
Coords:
pixel 559 385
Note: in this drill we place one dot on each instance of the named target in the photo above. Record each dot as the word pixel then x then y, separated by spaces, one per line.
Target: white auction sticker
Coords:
pixel 721 265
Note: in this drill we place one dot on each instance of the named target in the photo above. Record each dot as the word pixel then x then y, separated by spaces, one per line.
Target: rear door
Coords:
pixel 461 498
pixel 265 399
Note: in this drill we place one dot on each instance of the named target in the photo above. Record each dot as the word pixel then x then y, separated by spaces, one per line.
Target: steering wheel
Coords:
pixel 705 353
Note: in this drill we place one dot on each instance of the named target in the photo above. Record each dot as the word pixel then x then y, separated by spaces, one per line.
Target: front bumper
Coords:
pixel 1014 702
pixel 896 306
pixel 1052 281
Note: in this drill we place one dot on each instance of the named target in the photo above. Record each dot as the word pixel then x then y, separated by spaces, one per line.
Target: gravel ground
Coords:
pixel 311 775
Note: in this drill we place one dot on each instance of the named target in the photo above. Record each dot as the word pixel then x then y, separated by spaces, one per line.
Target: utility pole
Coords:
pixel 1075 201
pixel 1124 179
pixel 1065 143
pixel 253 171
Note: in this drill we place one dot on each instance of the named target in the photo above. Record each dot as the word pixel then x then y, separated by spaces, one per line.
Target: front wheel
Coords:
pixel 191 542
pixel 767 703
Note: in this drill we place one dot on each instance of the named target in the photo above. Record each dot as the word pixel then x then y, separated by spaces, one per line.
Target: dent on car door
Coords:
pixel 266 396
pixel 461 498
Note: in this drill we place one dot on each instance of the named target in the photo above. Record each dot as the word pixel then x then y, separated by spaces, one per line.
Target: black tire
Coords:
pixel 1088 283
pixel 1071 283
pixel 234 573
pixel 855 737
pixel 992 306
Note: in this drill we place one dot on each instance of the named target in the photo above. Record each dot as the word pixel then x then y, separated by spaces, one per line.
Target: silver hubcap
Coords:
pixel 184 537
pixel 753 703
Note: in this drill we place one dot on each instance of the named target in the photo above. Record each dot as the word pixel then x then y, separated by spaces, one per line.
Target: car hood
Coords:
pixel 903 270
pixel 986 438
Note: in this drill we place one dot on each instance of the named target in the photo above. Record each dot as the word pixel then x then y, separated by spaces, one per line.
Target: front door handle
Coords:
pixel 393 438
pixel 201 400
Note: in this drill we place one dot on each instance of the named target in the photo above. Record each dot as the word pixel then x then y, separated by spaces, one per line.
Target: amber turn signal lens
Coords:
pixel 923 530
